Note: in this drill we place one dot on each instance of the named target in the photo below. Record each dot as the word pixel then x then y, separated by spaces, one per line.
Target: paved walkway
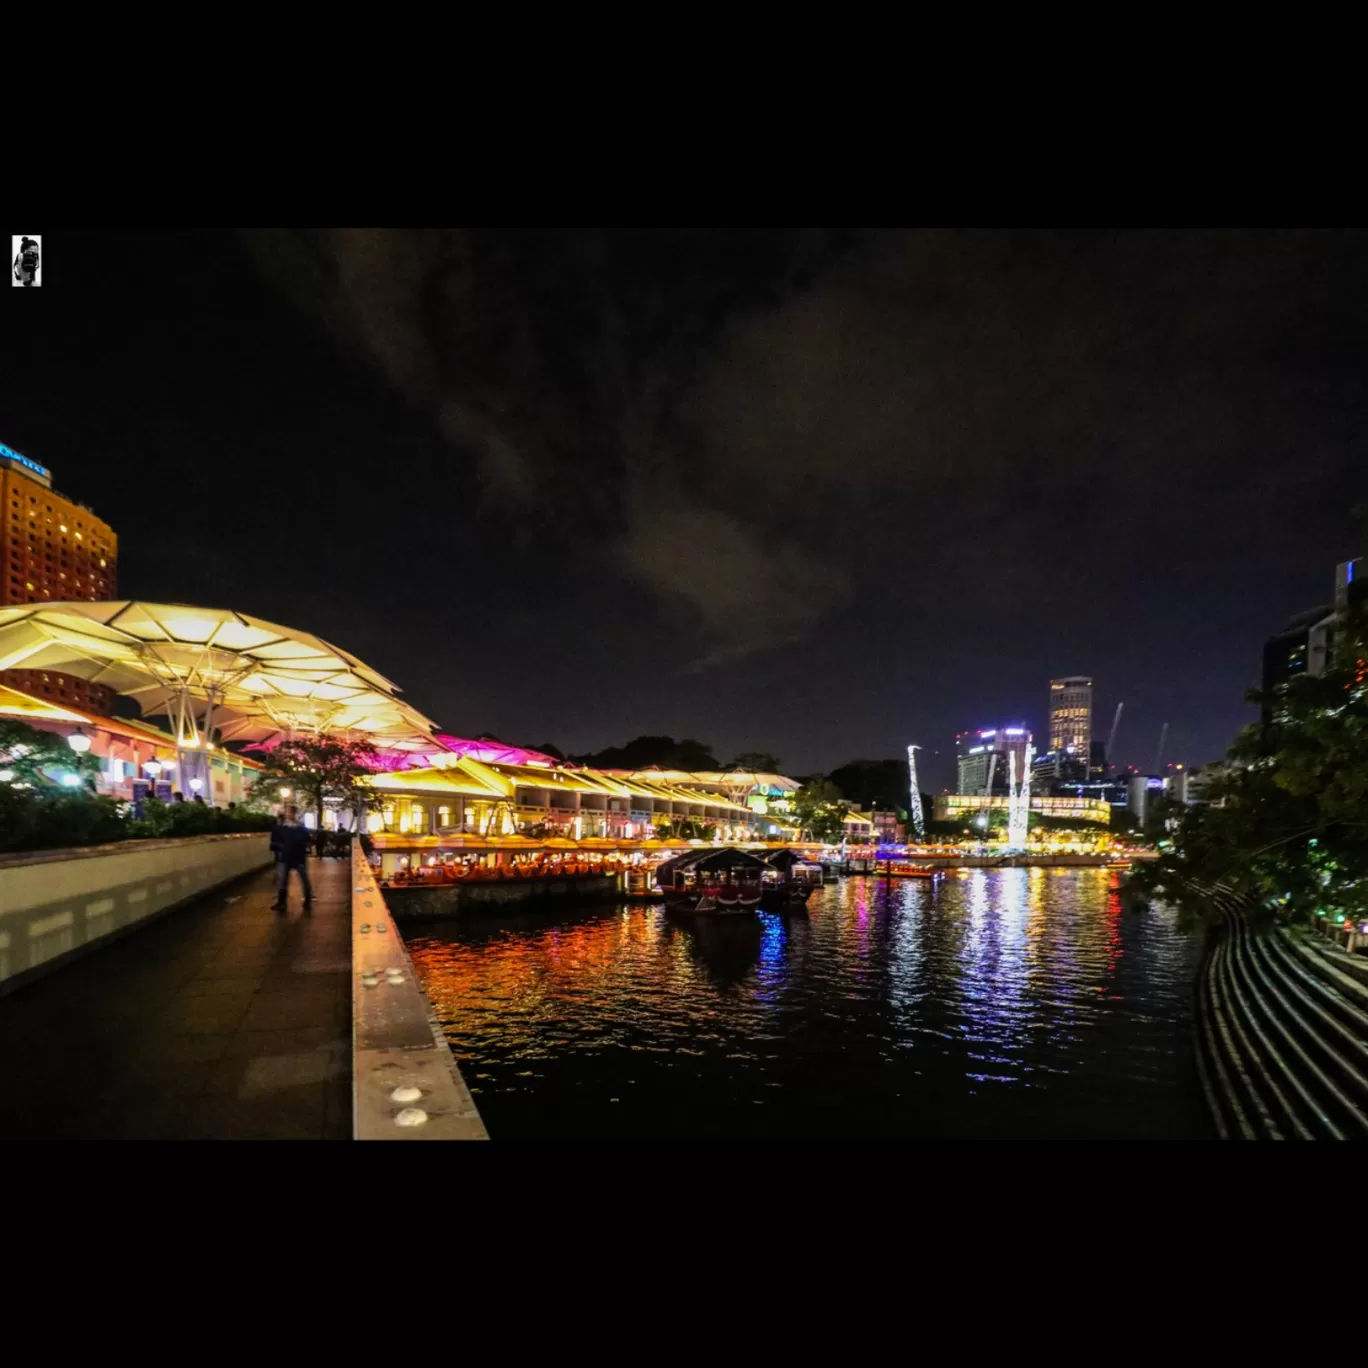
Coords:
pixel 222 1021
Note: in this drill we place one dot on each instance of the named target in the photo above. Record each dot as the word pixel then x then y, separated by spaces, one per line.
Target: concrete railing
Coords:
pixel 406 1082
pixel 56 904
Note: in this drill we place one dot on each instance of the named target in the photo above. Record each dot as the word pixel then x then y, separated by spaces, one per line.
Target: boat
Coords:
pixel 718 882
pixel 902 870
pixel 788 882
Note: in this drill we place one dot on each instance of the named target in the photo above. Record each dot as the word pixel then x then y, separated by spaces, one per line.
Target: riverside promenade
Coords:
pixel 221 1021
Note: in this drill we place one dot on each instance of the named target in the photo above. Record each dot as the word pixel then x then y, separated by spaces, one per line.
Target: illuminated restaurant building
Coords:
pixel 956 807
pixel 130 750
pixel 461 790
pixel 52 549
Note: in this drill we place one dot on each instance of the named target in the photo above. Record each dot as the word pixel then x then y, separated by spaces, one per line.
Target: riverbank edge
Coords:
pixel 1282 1032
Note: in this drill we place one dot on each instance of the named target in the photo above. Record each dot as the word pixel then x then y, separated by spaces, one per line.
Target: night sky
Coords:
pixel 880 501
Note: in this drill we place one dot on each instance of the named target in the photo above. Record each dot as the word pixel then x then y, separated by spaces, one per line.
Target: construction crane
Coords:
pixel 1110 757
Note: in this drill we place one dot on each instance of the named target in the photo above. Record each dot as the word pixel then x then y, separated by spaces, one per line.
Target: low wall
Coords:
pixel 406 1083
pixel 448 900
pixel 56 904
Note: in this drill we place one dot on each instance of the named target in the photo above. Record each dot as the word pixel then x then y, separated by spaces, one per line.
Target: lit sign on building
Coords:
pixel 9 454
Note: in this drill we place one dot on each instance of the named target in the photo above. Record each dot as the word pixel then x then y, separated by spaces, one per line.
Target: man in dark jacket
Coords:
pixel 290 846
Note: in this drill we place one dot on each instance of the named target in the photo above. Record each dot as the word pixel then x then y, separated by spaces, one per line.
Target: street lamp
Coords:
pixel 153 767
pixel 197 783
pixel 79 741
pixel 284 793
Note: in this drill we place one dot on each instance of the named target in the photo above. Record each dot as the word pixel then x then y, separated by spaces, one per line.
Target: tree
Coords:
pixel 821 810
pixel 1291 834
pixel 317 767
pixel 874 784
pixel 38 759
pixel 644 752
pixel 759 762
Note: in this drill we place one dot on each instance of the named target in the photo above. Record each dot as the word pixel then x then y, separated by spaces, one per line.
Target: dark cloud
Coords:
pixel 559 365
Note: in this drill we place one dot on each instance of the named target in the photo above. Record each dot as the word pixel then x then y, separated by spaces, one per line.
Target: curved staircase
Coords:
pixel 1282 1036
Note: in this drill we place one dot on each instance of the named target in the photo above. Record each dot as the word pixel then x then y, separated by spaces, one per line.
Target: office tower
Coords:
pixel 982 753
pixel 1071 724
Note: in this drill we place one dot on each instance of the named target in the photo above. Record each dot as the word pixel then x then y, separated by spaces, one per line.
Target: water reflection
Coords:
pixel 1000 1002
pixel 728 947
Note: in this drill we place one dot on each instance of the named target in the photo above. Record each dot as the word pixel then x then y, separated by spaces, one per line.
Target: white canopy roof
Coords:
pixel 262 680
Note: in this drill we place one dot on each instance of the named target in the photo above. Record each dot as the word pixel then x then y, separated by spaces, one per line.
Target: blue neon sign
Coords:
pixel 10 454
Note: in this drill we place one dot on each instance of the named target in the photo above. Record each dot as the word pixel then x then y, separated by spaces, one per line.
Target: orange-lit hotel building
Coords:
pixel 52 549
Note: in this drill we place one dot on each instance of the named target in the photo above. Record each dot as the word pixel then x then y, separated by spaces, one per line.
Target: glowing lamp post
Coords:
pixel 79 742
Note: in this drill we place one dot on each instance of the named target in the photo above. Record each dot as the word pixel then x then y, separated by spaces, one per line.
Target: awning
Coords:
pixel 262 681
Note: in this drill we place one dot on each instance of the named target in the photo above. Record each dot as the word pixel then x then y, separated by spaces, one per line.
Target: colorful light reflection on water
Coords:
pixel 1007 1003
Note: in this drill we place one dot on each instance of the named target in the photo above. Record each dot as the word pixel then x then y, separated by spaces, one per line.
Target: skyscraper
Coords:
pixel 51 549
pixel 985 752
pixel 1306 644
pixel 1071 724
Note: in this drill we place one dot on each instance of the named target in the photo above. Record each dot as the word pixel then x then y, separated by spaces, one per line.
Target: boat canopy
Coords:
pixel 788 860
pixel 714 861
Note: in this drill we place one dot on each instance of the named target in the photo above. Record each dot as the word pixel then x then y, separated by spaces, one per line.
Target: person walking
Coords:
pixel 290 846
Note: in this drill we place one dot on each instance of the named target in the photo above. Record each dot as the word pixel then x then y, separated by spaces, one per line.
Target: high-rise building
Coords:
pixel 982 753
pixel 1304 646
pixel 1097 762
pixel 1071 724
pixel 51 549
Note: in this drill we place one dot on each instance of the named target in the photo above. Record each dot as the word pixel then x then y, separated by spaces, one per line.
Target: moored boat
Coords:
pixel 712 881
pixel 789 881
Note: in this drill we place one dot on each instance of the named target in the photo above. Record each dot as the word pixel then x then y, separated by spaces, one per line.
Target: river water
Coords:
pixel 992 1004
